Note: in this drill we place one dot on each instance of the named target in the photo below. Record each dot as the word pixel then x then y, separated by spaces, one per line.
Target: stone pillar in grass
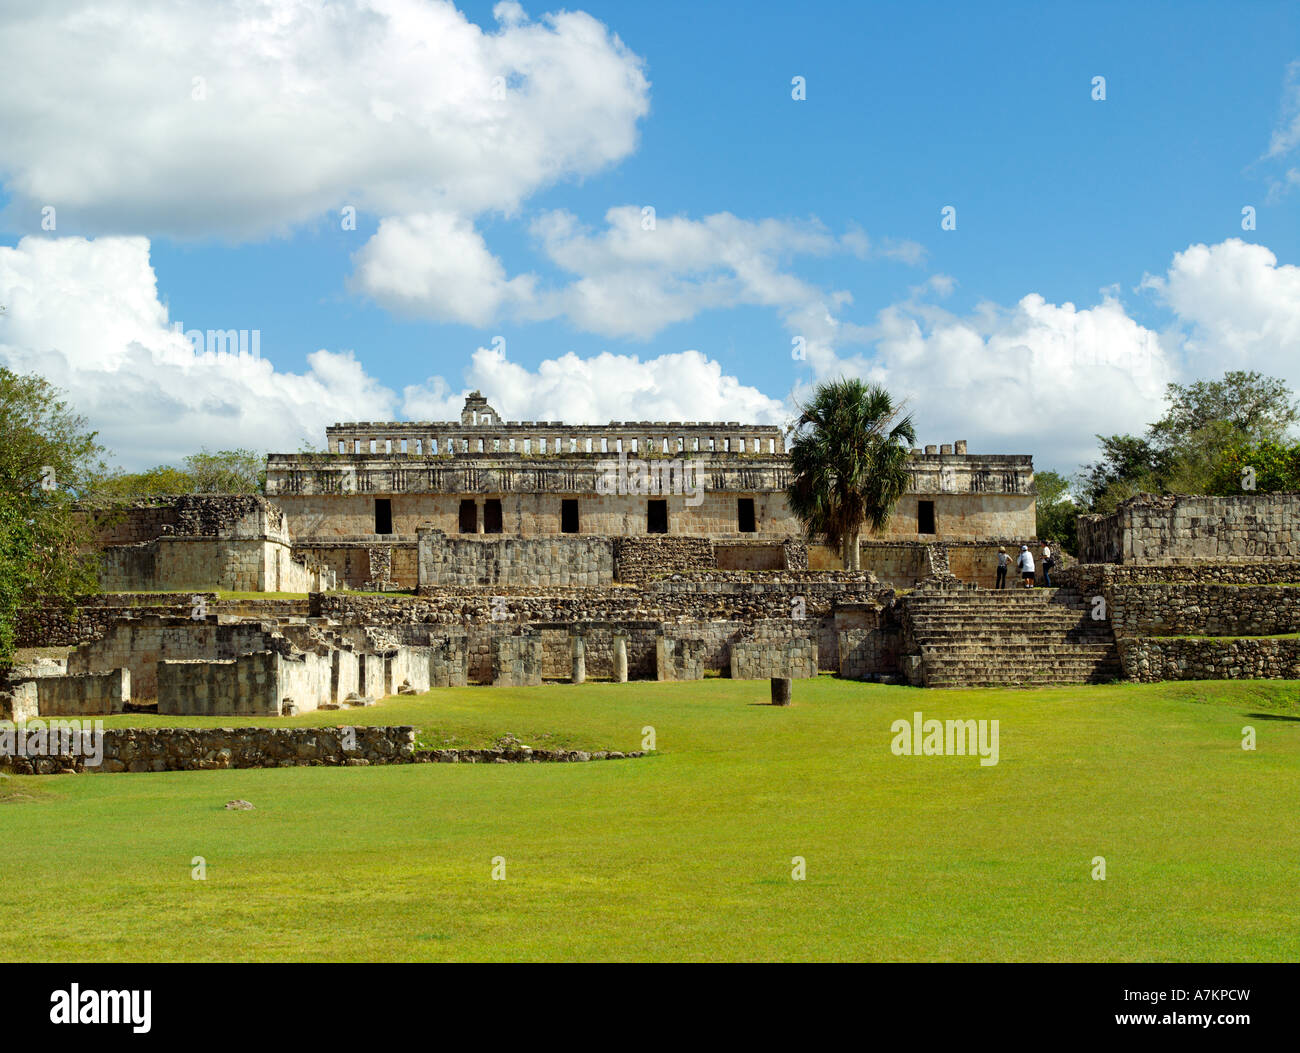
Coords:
pixel 780 690
pixel 579 658
pixel 620 658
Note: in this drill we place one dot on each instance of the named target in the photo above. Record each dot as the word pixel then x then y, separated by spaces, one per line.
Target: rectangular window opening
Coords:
pixel 745 515
pixel 925 517
pixel 383 515
pixel 656 517
pixel 569 516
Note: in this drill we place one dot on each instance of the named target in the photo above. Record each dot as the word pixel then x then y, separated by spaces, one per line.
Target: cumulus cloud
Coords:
pixel 1237 307
pixel 86 316
pixel 633 278
pixel 235 119
pixel 436 266
pixel 679 386
pixel 1033 377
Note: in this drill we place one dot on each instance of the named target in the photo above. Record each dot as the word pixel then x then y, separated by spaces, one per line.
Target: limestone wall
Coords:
pixel 255 684
pixel 237 565
pixel 139 644
pixel 1204 610
pixel 679 658
pixel 517 660
pixel 572 560
pixel 83 694
pixel 1172 658
pixel 1148 529
pixel 759 659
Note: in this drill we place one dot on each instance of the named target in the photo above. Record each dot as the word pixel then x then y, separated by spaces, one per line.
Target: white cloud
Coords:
pixel 1240 309
pixel 1035 378
pixel 86 316
pixel 681 386
pixel 436 266
pixel 388 105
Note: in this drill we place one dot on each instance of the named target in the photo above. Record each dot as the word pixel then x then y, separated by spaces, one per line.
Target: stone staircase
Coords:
pixel 968 637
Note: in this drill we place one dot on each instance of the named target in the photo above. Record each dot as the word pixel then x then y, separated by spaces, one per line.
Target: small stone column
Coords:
pixel 620 658
pixel 478 517
pixel 579 658
pixel 780 690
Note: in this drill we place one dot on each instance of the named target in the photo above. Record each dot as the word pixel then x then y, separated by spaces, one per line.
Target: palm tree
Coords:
pixel 849 463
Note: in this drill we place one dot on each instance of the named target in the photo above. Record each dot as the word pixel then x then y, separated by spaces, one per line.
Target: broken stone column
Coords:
pixel 579 658
pixel 620 658
pixel 780 690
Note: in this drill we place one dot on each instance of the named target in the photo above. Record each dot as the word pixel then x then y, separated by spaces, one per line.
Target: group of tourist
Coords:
pixel 1025 565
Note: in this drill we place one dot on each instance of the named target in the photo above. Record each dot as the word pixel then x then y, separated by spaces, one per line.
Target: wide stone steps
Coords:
pixel 986 638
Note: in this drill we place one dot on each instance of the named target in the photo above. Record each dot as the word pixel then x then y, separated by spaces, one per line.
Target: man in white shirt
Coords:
pixel 1025 564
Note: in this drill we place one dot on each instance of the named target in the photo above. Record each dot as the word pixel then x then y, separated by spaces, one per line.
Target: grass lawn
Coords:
pixel 687 854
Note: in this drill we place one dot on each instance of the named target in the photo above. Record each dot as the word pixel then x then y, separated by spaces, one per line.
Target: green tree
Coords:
pixel 1055 511
pixel 1187 449
pixel 48 460
pixel 227 472
pixel 848 463
pixel 223 472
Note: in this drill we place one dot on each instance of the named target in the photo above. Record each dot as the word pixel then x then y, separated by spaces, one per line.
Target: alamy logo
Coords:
pixel 945 738
pixel 53 738
pixel 638 477
pixel 76 1006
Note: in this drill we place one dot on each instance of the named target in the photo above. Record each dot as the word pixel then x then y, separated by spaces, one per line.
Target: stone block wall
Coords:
pixel 761 658
pixel 251 685
pixel 678 658
pixel 517 660
pixel 1204 610
pixel 19 701
pixel 84 694
pixel 1150 659
pixel 1149 529
pixel 563 560
pixel 637 559
pixel 138 644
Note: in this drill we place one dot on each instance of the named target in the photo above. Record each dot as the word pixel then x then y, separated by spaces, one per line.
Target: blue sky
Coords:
pixel 223 212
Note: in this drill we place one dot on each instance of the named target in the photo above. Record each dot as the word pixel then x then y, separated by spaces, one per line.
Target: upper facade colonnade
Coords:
pixel 554 438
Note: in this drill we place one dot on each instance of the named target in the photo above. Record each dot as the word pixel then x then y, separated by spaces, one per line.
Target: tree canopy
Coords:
pixel 48 461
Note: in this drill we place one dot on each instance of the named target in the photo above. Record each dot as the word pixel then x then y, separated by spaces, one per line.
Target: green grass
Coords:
pixel 687 854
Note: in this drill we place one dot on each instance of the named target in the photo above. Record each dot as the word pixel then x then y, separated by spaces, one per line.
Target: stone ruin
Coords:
pixel 1167 588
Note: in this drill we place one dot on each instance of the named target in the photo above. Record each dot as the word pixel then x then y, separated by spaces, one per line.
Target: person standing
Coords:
pixel 1003 561
pixel 1025 564
pixel 1049 561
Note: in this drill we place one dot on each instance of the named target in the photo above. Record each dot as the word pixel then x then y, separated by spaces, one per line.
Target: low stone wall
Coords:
pixel 1150 659
pixel 1203 610
pixel 870 654
pixel 679 658
pixel 759 659
pixel 85 694
pixel 517 660
pixel 19 701
pixel 637 559
pixel 1097 577
pixel 568 560
pixel 212 749
pixel 703 596
pixel 261 684
pixel 1150 529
